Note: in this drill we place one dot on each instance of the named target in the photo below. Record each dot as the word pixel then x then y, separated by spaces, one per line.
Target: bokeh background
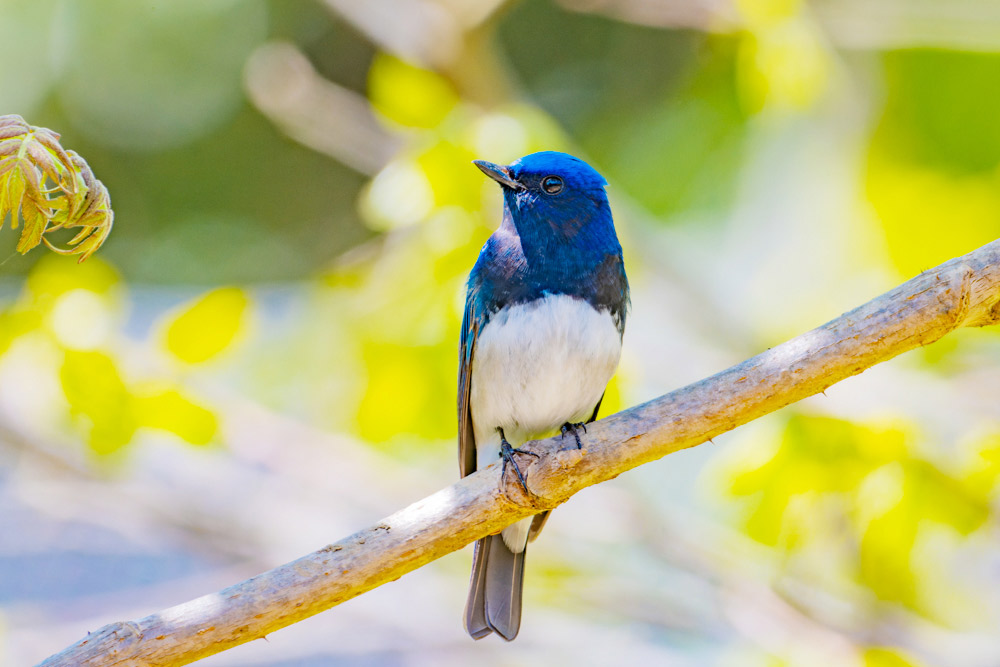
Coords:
pixel 262 358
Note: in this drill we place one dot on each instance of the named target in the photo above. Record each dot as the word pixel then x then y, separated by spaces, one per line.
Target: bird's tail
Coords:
pixel 494 603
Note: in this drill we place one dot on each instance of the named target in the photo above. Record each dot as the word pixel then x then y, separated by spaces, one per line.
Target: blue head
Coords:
pixel 556 202
pixel 557 237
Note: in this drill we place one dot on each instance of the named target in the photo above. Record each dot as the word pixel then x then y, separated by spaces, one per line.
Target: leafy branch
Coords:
pixel 964 292
pixel 49 188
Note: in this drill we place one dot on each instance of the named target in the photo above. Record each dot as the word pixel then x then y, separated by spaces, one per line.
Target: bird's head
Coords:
pixel 548 173
pixel 551 187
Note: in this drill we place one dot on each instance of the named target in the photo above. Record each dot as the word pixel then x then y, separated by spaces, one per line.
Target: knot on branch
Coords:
pixel 962 283
pixel 992 314
pixel 121 631
pixel 118 639
pixel 981 299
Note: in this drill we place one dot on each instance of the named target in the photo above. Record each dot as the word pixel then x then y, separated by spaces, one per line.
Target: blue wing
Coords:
pixel 472 323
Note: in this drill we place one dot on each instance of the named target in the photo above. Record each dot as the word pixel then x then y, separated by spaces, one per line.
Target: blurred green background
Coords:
pixel 262 358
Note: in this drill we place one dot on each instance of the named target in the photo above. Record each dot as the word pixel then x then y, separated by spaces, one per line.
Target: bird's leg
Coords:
pixel 570 427
pixel 507 454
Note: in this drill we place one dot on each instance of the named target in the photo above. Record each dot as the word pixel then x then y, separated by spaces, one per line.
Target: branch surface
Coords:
pixel 962 292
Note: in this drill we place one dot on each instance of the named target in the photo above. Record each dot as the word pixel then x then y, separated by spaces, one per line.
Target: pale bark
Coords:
pixel 962 292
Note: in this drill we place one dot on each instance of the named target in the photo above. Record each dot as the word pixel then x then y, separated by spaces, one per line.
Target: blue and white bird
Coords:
pixel 541 337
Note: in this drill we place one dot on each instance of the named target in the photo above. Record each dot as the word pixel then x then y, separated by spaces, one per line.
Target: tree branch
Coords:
pixel 962 292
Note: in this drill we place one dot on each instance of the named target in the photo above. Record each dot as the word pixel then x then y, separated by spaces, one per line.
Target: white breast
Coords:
pixel 537 366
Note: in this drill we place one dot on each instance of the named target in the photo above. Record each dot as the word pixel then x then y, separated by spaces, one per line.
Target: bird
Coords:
pixel 545 310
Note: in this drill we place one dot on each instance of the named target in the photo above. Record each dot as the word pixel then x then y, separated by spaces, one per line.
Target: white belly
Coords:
pixel 537 366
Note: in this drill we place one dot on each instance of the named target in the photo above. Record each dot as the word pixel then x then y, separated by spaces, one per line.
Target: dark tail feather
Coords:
pixel 504 580
pixel 494 603
pixel 475 606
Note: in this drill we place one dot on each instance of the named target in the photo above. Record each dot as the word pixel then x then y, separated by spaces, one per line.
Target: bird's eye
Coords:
pixel 552 185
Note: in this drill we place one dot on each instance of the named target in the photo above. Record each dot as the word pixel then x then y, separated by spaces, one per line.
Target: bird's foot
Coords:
pixel 507 453
pixel 570 427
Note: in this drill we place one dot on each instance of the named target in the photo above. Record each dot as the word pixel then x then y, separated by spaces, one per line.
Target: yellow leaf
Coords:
pixel 783 65
pixel 612 401
pixel 50 140
pixel 170 410
pixel 208 326
pixel 43 160
pixel 11 192
pixel 446 166
pixel 885 554
pixel 402 396
pixel 35 221
pixel 8 147
pixel 407 94
pixel 392 402
pixel 74 198
pixel 768 11
pixel 879 656
pixel 53 276
pixel 98 399
pixel 12 125
pixel 912 201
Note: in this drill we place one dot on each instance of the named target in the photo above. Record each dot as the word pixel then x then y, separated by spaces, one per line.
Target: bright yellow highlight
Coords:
pixel 170 410
pixel 783 62
pixel 447 166
pixel 53 276
pixel 762 12
pixel 880 491
pixel 886 657
pixel 785 67
pixel 917 204
pixel 99 401
pixel 208 326
pixel 837 492
pixel 407 94
pixel 109 411
pixel 404 394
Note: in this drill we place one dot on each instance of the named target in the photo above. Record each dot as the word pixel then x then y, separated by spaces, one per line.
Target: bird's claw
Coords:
pixel 507 453
pixel 575 430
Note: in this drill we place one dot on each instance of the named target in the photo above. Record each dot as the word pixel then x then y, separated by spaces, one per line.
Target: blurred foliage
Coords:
pixel 31 158
pixel 65 323
pixel 636 120
pixel 879 656
pixel 208 326
pixel 174 48
pixel 211 191
pixel 408 95
pixel 783 61
pixel 935 156
pixel 256 261
pixel 857 500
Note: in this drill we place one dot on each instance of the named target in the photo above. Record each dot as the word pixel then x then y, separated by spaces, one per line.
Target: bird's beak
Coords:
pixel 499 174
